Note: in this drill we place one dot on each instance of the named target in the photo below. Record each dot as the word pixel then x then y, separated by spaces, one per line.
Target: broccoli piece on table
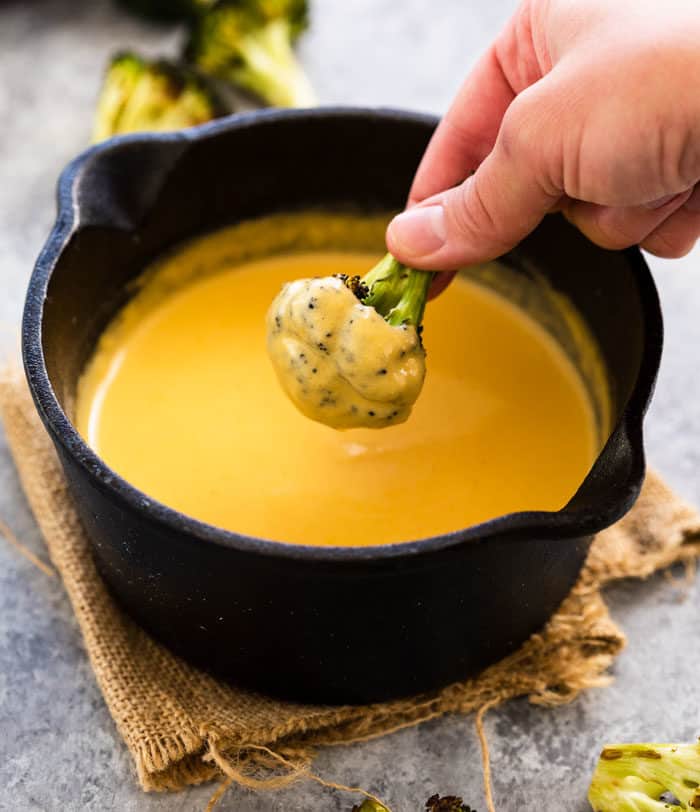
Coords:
pixel 167 10
pixel 448 803
pixel 249 43
pixel 138 95
pixel 369 806
pixel 646 778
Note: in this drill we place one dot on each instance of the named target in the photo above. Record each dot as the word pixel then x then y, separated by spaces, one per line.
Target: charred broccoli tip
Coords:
pixel 448 803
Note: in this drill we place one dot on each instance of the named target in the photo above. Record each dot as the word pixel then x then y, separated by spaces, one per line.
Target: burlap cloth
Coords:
pixel 183 727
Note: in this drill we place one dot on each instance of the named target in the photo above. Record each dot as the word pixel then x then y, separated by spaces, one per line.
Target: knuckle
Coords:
pixel 687 169
pixel 661 246
pixel 616 232
pixel 603 226
pixel 527 142
pixel 517 137
pixel 613 242
pixel 471 216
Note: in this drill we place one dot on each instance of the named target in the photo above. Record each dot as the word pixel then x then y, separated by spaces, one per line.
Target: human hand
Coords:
pixel 586 106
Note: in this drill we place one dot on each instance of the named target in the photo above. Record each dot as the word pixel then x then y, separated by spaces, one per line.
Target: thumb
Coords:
pixel 486 215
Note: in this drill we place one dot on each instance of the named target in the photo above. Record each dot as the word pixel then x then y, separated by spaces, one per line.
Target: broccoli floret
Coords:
pixel 140 96
pixel 646 778
pixel 249 43
pixel 167 10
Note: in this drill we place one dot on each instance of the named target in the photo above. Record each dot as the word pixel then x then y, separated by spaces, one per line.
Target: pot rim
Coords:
pixel 569 522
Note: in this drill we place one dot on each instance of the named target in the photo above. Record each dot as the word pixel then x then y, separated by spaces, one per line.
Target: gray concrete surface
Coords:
pixel 59 749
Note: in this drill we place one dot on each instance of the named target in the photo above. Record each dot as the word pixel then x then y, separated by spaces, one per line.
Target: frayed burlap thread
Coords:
pixel 183 727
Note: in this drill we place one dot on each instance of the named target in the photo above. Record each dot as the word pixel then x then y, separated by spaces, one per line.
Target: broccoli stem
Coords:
pixel 411 305
pixel 271 68
pixel 397 292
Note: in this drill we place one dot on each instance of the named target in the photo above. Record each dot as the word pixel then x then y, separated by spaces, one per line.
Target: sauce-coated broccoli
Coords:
pixel 347 351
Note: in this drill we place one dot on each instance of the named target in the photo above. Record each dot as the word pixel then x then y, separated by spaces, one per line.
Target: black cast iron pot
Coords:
pixel 319 624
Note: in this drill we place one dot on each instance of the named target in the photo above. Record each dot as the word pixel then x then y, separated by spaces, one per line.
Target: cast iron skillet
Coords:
pixel 320 624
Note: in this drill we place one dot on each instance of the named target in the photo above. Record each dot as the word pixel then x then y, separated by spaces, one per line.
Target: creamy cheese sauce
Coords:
pixel 339 361
pixel 180 398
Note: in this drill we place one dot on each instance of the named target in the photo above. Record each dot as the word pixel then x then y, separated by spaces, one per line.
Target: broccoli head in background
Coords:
pixel 167 10
pixel 249 43
pixel 139 96
pixel 647 778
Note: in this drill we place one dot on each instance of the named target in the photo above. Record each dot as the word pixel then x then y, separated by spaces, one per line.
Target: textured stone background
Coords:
pixel 58 746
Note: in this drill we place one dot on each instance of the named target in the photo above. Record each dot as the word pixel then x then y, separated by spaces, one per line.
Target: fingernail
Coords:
pixel 693 202
pixel 420 231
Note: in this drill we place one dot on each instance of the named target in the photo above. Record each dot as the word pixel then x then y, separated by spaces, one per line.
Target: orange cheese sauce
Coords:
pixel 181 400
